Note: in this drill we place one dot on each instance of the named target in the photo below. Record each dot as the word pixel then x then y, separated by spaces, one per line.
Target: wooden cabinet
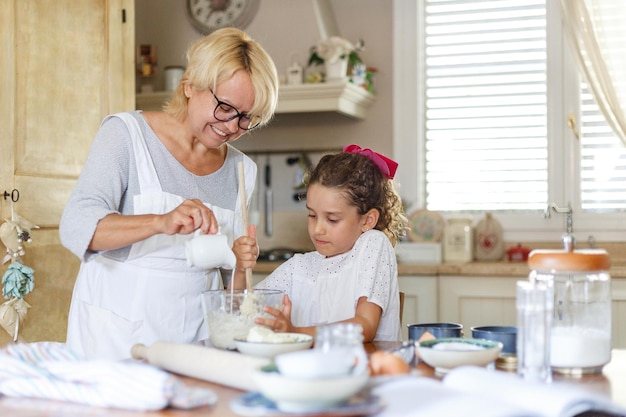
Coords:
pixel 477 301
pixel 487 301
pixel 65 65
pixel 420 300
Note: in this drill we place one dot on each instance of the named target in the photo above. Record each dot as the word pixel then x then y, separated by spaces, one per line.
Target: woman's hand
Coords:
pixel 189 216
pixel 116 231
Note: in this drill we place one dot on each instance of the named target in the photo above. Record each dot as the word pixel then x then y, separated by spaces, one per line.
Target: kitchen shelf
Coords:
pixel 343 98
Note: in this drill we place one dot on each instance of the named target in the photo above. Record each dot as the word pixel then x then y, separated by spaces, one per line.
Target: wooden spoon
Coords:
pixel 244 215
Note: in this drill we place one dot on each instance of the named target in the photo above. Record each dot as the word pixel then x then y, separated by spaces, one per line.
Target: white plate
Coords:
pixel 290 343
pixel 298 395
pixel 447 353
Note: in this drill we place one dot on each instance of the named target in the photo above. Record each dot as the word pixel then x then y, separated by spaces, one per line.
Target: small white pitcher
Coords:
pixel 210 251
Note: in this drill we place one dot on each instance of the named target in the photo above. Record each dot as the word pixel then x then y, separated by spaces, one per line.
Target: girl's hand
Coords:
pixel 189 216
pixel 246 249
pixel 282 318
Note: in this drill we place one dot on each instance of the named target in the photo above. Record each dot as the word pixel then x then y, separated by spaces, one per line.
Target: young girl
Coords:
pixel 355 219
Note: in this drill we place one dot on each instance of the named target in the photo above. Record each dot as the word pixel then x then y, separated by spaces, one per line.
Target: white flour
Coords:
pixel 262 334
pixel 224 327
pixel 250 305
pixel 579 348
pixel 456 346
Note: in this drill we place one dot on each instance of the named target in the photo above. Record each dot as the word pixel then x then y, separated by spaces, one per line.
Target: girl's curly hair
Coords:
pixel 365 187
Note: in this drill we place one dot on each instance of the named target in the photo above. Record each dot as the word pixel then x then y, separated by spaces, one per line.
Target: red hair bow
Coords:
pixel 387 166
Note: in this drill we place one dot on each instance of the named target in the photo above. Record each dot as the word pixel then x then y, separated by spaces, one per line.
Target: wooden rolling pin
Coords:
pixel 209 364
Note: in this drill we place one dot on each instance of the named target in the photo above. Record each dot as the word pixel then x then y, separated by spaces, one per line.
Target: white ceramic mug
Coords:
pixel 314 363
pixel 210 251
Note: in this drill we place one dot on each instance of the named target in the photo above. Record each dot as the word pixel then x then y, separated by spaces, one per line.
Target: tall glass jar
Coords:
pixel 581 328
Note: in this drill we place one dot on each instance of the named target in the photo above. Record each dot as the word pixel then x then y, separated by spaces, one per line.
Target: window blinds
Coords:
pixel 485 105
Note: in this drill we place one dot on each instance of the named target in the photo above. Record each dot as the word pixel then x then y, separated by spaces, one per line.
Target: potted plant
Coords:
pixel 337 55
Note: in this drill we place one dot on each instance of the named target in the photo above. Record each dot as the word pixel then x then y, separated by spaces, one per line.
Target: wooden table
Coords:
pixel 612 382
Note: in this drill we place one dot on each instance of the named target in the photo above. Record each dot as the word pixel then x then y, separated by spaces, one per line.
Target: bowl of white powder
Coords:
pixel 230 313
pixel 447 353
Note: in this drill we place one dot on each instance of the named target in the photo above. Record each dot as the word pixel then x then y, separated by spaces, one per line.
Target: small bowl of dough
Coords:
pixel 447 353
pixel 265 343
pixel 230 314
pixel 306 395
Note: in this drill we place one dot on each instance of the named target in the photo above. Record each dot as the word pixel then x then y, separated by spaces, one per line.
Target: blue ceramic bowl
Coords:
pixel 505 334
pixel 438 330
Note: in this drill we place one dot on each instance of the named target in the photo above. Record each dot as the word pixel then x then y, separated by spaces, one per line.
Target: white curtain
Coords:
pixel 597 29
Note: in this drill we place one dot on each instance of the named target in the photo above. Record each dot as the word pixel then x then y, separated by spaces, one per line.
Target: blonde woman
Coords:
pixel 151 181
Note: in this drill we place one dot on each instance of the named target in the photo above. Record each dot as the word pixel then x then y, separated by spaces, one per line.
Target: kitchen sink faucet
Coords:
pixel 568 238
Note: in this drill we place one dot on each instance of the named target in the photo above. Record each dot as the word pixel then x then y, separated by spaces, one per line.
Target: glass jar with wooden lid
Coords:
pixel 581 330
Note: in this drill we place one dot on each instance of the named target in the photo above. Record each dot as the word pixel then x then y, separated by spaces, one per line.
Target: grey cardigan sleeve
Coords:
pixel 100 189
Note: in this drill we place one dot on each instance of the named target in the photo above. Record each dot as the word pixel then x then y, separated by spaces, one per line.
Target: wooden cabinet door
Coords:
pixel 65 65
pixel 478 301
pixel 420 301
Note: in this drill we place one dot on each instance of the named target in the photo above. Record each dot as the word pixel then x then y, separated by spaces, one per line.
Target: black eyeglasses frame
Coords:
pixel 237 115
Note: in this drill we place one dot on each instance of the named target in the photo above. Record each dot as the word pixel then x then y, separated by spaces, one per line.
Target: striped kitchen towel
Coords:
pixel 50 370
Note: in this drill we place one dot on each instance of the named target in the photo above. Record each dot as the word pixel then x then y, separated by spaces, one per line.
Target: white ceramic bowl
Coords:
pixel 447 353
pixel 284 342
pixel 298 395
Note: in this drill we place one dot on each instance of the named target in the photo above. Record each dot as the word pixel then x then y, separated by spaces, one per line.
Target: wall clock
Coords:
pixel 209 15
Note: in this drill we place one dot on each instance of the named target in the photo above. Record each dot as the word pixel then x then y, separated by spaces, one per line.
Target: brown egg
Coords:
pixel 386 363
pixel 425 336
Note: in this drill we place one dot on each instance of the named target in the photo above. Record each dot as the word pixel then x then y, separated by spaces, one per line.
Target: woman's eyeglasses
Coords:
pixel 224 112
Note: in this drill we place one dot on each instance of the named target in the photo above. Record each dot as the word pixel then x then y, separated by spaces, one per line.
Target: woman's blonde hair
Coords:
pixel 214 59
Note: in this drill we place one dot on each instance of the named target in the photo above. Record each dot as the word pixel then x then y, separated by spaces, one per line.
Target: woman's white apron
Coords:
pixel 153 295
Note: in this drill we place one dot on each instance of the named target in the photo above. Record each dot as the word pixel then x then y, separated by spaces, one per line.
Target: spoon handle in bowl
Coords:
pixel 244 216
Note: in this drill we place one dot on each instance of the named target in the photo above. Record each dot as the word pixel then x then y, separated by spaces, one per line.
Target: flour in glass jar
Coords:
pixel 577 347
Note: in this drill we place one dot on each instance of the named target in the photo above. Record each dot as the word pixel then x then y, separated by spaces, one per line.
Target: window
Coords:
pixel 485 105
pixel 603 160
pixel 496 89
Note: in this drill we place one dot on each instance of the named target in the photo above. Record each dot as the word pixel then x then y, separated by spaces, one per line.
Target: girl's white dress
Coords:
pixel 326 290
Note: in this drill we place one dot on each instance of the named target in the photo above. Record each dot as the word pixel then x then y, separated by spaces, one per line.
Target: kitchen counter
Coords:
pixel 501 268
pixel 612 382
